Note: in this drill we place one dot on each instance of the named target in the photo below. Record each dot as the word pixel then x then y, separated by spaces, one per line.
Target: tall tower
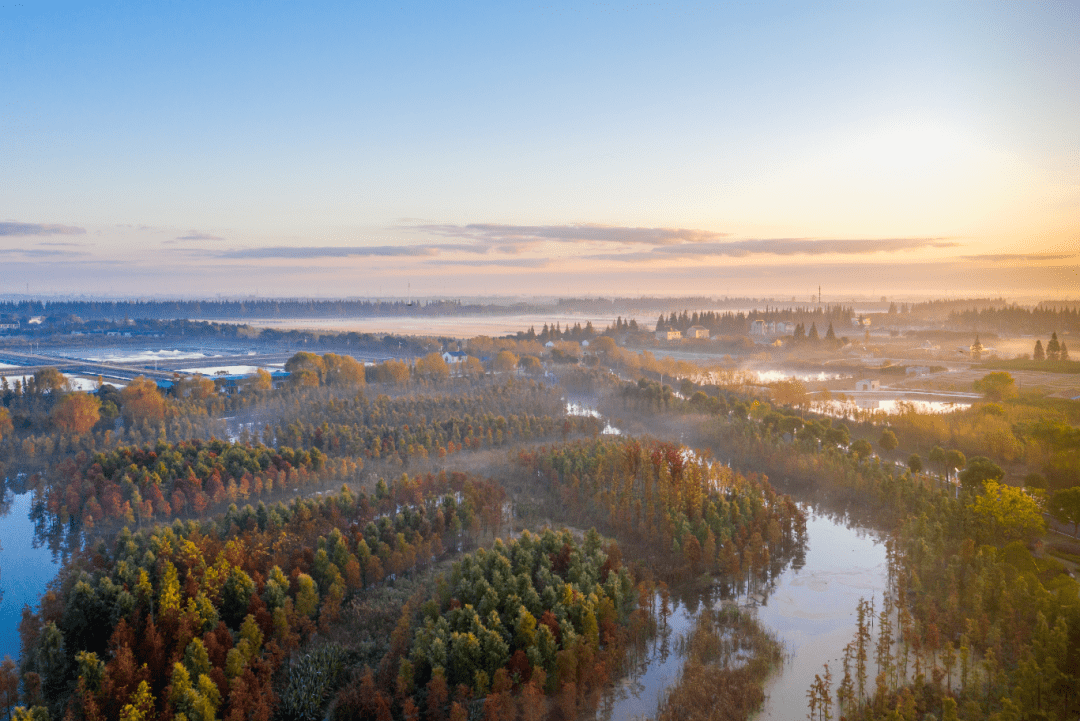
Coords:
pixel 819 295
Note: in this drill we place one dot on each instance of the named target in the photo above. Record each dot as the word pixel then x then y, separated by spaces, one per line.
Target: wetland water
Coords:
pixel 811 607
pixel 26 567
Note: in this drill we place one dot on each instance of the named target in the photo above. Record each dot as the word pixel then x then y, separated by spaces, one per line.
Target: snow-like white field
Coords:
pixel 77 383
pixel 231 370
pixel 148 356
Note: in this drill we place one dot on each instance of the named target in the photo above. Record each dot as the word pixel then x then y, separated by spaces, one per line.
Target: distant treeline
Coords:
pixel 117 310
pixel 643 305
pixel 1016 319
pixel 252 308
pixel 731 323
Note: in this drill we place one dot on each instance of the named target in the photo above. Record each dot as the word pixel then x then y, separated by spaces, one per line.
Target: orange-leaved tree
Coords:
pixel 433 366
pixel 343 370
pixel 5 422
pixel 142 401
pixel 77 412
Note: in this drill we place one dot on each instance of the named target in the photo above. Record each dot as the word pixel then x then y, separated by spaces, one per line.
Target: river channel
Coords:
pixel 810 607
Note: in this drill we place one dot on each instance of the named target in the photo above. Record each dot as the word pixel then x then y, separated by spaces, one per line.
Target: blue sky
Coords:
pixel 336 148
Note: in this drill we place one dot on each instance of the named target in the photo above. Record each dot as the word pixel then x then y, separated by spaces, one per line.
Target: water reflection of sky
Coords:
pixel 24 569
pixel 813 609
pixel 639 693
pixel 578 409
pixel 781 375
pixel 850 408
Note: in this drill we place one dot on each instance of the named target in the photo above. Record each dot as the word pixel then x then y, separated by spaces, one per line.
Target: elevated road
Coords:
pixel 162 369
pixel 30 363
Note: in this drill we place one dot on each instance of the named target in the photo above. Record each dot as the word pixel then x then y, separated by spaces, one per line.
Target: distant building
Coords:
pixel 867 385
pixel 668 334
pixel 775 327
pixel 454 357
pixel 697 331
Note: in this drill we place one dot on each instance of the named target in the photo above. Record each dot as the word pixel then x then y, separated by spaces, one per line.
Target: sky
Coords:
pixel 374 149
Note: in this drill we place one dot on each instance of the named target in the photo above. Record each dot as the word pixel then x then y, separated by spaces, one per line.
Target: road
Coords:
pixel 162 369
pixel 30 363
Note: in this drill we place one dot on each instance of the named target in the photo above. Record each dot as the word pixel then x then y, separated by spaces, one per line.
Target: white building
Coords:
pixel 454 357
pixel 775 327
pixel 697 331
pixel 867 385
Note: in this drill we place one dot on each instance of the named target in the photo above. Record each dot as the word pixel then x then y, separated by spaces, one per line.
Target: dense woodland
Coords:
pixel 697 516
pixel 974 619
pixel 212 609
pixel 975 625
pixel 96 476
pixel 207 590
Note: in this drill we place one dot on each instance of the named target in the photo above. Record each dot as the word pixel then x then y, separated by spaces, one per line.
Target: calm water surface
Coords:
pixel 811 608
pixel 26 567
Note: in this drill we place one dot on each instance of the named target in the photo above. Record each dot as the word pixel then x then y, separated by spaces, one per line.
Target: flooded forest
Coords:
pixel 410 540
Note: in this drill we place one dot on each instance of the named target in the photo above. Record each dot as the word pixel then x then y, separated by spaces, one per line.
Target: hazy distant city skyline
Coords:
pixel 342 150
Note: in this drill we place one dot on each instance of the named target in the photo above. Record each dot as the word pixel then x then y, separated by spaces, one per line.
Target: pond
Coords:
pixel 26 566
pixel 581 409
pixel 810 607
pixel 860 408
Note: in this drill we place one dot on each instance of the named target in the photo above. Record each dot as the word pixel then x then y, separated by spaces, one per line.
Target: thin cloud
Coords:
pixel 304 252
pixel 512 236
pixel 1018 257
pixel 24 229
pixel 507 263
pixel 195 235
pixel 778 246
pixel 55 244
pixel 43 252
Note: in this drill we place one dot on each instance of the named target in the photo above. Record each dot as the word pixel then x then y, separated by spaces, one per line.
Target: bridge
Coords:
pixel 30 363
pixel 160 370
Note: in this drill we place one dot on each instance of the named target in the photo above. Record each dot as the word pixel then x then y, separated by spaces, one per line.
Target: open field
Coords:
pixel 1059 385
